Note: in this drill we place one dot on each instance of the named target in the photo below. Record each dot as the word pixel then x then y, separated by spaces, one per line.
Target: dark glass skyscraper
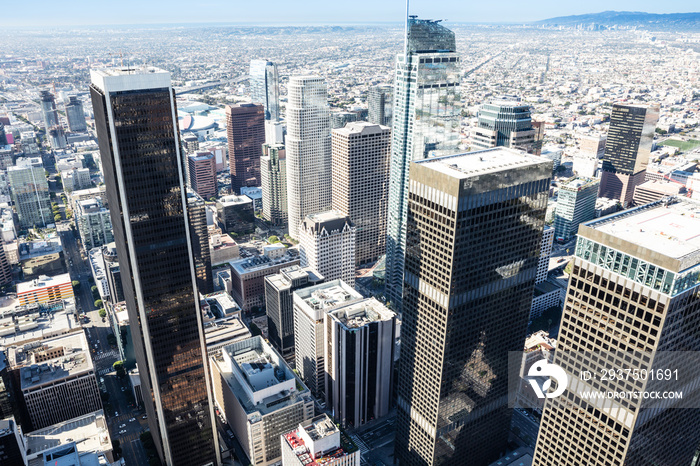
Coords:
pixel 264 87
pixel 245 128
pixel 135 120
pixel 627 150
pixel 474 231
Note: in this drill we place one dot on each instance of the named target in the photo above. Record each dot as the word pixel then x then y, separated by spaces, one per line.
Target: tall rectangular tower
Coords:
pixel 627 149
pixel 632 302
pixel 135 118
pixel 273 180
pixel 30 192
pixel 245 128
pixel 308 148
pixel 380 103
pixel 426 123
pixel 475 225
pixel 575 205
pixel 75 115
pixel 361 154
pixel 264 87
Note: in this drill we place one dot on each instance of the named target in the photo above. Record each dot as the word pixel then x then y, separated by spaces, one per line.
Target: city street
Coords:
pixel 526 426
pixel 120 409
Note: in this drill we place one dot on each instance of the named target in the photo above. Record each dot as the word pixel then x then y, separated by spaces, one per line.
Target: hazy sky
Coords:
pixel 81 12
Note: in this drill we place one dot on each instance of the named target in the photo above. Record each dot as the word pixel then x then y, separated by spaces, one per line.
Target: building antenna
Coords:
pixel 405 35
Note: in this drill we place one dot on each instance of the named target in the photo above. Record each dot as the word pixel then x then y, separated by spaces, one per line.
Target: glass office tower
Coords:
pixel 426 123
pixel 135 118
pixel 264 87
pixel 475 224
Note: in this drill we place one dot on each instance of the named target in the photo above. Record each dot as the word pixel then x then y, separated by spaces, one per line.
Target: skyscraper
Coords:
pixel 273 178
pixel 631 303
pixel 359 354
pixel 475 225
pixel 380 103
pixel 264 87
pixel 575 205
pixel 426 123
pixel 505 122
pixel 630 137
pixel 245 127
pixel 75 115
pixel 361 154
pixel 202 173
pixel 143 168
pixel 279 305
pixel 308 150
pixel 327 244
pixel 48 110
pixel 30 192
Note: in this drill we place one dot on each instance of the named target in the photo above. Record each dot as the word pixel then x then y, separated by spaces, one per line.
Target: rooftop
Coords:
pixel 258 377
pixel 89 432
pixel 360 313
pixel 327 295
pixel 56 359
pixel 224 331
pixel 22 324
pixel 670 189
pixel 331 220
pixel 234 200
pixel 317 443
pixel 470 164
pixel 579 183
pixel 361 127
pixel 253 264
pixel 670 228
pixel 42 282
pixel 283 279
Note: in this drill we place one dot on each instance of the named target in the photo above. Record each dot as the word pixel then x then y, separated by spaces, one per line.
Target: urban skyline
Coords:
pixel 374 243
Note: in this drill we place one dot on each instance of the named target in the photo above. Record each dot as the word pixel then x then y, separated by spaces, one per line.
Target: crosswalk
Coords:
pixel 111 354
pixel 364 449
pixel 104 371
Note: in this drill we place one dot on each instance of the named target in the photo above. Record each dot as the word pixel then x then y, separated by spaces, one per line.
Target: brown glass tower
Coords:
pixel 627 149
pixel 245 127
pixel 633 303
pixel 135 117
pixel 475 224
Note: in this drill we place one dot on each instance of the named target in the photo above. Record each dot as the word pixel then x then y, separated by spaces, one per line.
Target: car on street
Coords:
pixel 122 431
pixel 132 419
pixel 145 416
pixel 116 414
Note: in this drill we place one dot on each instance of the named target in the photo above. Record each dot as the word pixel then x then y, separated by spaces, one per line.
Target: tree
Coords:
pixel 93 289
pixel 98 303
pixel 102 313
pixel 75 284
pixel 273 239
pixel 119 368
pixel 57 218
pixel 254 330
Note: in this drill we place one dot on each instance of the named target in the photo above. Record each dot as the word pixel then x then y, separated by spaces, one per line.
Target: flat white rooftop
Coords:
pixel 469 164
pixel 672 230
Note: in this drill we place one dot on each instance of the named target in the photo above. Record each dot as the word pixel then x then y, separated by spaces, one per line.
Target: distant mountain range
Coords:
pixel 629 18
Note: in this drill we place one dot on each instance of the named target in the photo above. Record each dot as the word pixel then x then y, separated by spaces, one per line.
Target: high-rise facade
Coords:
pixel 475 225
pixel 279 305
pixel 264 87
pixel 48 110
pixel 361 153
pixel 380 103
pixel 135 119
pixel 426 123
pixel 202 173
pixel 327 244
pixel 94 223
pixel 632 302
pixel 310 306
pixel 575 205
pixel 75 115
pixel 245 127
pixel 273 178
pixel 545 254
pixel 308 147
pixel 199 235
pixel 505 122
pixel 30 192
pixel 627 149
pixel 360 340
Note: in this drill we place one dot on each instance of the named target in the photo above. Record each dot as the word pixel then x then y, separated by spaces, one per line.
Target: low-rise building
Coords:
pixel 546 295
pixel 222 248
pixel 235 214
pixel 259 396
pixel 318 442
pixel 45 290
pixel 654 190
pixel 256 194
pixel 76 179
pixel 248 277
pixel 58 380
pixel 41 257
